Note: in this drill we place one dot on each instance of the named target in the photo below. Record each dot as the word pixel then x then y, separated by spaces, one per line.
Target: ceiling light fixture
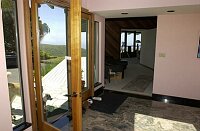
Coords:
pixel 124 13
pixel 171 11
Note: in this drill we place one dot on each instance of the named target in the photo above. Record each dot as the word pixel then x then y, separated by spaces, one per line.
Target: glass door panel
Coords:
pixel 87 63
pixel 96 53
pixel 84 54
pixel 53 64
pixel 57 95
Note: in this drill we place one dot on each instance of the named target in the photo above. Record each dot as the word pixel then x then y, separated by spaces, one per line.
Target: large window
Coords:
pixel 12 52
pixel 96 52
pixel 130 44
pixel 138 41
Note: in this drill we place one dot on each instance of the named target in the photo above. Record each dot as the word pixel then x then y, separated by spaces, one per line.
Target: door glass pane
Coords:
pixel 84 54
pixel 54 67
pixel 96 52
pixel 12 52
pixel 130 39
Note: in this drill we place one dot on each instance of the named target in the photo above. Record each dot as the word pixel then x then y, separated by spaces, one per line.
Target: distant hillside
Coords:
pixel 57 50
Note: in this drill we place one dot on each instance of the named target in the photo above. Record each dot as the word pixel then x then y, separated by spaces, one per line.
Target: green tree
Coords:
pixel 8 14
pixel 9 26
pixel 44 29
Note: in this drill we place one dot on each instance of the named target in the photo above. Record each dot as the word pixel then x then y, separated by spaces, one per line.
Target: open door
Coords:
pixel 87 63
pixel 62 48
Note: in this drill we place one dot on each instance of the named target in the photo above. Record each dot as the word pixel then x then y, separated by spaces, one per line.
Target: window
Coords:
pixel 122 42
pixel 13 61
pixel 96 52
pixel 130 44
pixel 130 41
pixel 138 41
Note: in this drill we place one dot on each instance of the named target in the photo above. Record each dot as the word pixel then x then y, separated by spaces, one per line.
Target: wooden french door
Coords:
pixel 62 47
pixel 87 60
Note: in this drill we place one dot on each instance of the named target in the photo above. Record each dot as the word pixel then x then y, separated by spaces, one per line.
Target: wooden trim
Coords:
pixel 69 62
pixel 176 100
pixel 86 93
pixel 84 10
pixel 75 25
pixel 29 63
pixel 49 127
pixel 37 64
pixel 60 3
pixel 92 55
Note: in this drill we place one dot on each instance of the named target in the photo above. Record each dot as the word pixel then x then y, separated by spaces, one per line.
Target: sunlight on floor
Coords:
pixel 150 123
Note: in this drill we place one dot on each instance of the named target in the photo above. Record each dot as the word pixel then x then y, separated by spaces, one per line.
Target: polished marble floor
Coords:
pixel 145 115
pixel 136 114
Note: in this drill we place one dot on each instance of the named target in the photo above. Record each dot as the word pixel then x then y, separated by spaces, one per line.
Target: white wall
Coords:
pixel 103 5
pixel 147 54
pixel 101 21
pixel 21 24
pixel 84 4
pixel 5 111
pixel 177 68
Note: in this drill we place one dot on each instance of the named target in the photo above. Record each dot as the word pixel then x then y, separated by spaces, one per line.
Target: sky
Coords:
pixel 56 20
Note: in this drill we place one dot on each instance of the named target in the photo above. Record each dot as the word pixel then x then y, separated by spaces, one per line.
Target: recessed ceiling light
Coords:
pixel 124 13
pixel 171 11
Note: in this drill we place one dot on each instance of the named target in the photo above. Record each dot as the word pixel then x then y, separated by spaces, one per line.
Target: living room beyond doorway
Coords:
pixel 138 79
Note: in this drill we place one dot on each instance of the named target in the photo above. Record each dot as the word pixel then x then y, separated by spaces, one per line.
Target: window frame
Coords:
pixel 126 43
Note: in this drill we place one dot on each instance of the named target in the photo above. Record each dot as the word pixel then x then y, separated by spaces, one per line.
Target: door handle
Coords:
pixel 74 94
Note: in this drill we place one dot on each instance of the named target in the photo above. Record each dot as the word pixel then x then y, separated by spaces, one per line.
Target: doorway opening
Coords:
pixel 137 50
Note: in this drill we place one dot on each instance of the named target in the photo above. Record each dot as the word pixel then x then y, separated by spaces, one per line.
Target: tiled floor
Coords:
pixel 136 114
pixel 144 115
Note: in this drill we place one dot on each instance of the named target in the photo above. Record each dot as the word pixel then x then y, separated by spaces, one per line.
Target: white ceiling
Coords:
pixel 141 12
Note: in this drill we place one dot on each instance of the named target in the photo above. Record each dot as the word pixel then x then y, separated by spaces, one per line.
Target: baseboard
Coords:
pixel 176 100
pixel 147 66
pixel 97 84
pixel 129 94
pixel 156 97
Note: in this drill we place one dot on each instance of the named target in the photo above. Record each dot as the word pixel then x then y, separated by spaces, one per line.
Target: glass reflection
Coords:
pixel 13 61
pixel 96 52
pixel 54 74
pixel 84 54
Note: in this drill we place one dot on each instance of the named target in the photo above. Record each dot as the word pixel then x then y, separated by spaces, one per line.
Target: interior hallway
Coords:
pixel 133 71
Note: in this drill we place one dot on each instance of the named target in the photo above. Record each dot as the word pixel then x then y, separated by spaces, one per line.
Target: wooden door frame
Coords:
pixel 29 63
pixel 75 38
pixel 42 124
